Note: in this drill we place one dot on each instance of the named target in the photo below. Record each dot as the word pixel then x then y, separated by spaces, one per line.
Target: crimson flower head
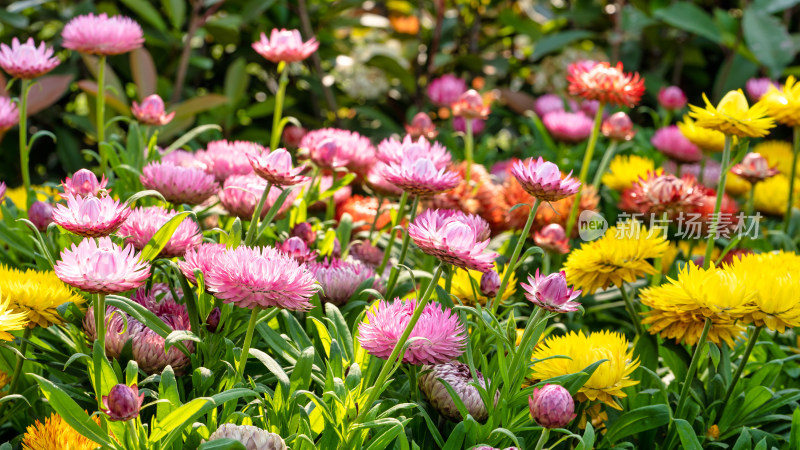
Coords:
pixel 419 176
pixel 454 237
pixel 542 179
pixel 659 193
pixel 445 90
pixel 568 126
pixel 305 231
pixel 552 237
pixel 123 402
pixel 470 106
pixel 202 258
pixel 27 61
pixel 91 216
pixel 144 222
pixel 672 98
pixel 84 183
pixel 552 406
pixel 754 168
pixel 179 185
pixel 102 35
pixel 551 292
pixel 618 127
pixel 276 167
pixel 671 142
pixel 443 336
pixel 101 266
pixel 151 111
pixel 605 83
pixel 548 103
pixel 9 114
pixel 260 277
pixel 422 126
pixel 285 46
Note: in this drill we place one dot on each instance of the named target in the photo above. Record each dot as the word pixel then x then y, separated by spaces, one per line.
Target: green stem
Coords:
pixel 403 250
pixel 468 144
pixel 330 208
pixel 631 310
pixel 702 174
pixel 100 331
pixel 101 112
pixel 277 129
pixel 375 220
pixel 251 230
pixel 23 348
pixel 546 262
pixel 788 218
pixel 132 430
pixel 750 206
pixel 517 250
pixel 387 252
pixel 658 263
pixel 24 151
pixel 543 439
pixel 751 343
pixel 687 383
pixel 601 169
pixel 587 161
pixel 248 338
pixel 723 177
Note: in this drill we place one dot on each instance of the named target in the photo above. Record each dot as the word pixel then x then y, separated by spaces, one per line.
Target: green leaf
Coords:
pixel 794 435
pixel 140 313
pixel 176 11
pixel 554 42
pixel 692 18
pixel 744 442
pixel 163 235
pixel 167 390
pixel 638 420
pixel 222 444
pixel 188 136
pixel 768 39
pixel 147 13
pixel 196 105
pixel 144 72
pixel 688 437
pixel 143 194
pixel 177 419
pixel 236 81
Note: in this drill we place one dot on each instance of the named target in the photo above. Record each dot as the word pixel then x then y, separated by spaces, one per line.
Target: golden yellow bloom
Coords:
pixel 55 433
pixel 772 194
pixel 620 255
pixel 736 185
pixel 680 307
pixel 611 376
pixel 784 104
pixel 778 154
pixel 734 116
pixel 707 139
pixel 20 197
pixel 4 380
pixel 36 293
pixel 772 277
pixel 461 286
pixel 713 432
pixel 625 170
pixel 10 321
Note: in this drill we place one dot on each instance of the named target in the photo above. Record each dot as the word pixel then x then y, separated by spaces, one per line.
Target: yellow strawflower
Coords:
pixel 778 154
pixel 706 139
pixel 784 104
pixel 625 170
pixel 734 116
pixel 10 321
pixel 37 294
pixel 772 194
pixel 54 434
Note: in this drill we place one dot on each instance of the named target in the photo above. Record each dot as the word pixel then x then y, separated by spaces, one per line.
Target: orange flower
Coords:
pixel 404 24
pixel 363 209
pixel 605 83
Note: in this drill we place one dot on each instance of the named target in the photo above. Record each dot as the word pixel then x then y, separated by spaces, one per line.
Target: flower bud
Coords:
pixel 304 231
pixel 458 376
pixel 292 135
pixel 297 249
pixel 672 97
pixel 754 168
pixel 83 183
pixel 422 126
pixel 123 402
pixel 552 406
pixel 490 284
pixel 618 127
pixel 212 321
pixel 41 215
pixel 470 106
pixel 253 438
pixel 552 238
pixel 151 111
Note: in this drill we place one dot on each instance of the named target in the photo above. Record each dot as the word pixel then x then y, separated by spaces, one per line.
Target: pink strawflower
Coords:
pixel 285 46
pixel 226 158
pixel 445 90
pixel 91 216
pixel 552 406
pixel 40 214
pixel 378 183
pixel 672 98
pixel 470 106
pixel 332 148
pixel 202 258
pixel 422 126
pixel 101 266
pixel 182 158
pixel 260 277
pixel 241 193
pixel 454 237
pixel 548 103
pixel 144 222
pixel 419 176
pixel 660 193
pixel 189 185
pixel 297 249
pixel 102 35
pixel 754 168
pixel 276 167
pixel 2 191
pixel 460 125
pixel 490 284
pixel 151 111
pixel 392 151
pixel 84 183
pixel 567 126
pixel 542 179
pixel 9 115
pixel 551 292
pixel 367 253
pixel 443 336
pixel 123 402
pixel 618 127
pixel 305 231
pixel 757 87
pixel 339 279
pixel 671 142
pixel 27 61
pixel 553 238
pixel 292 135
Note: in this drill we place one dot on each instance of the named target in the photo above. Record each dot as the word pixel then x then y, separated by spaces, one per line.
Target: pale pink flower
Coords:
pixel 672 97
pixel 241 193
pixel 443 336
pixel 27 61
pixel 84 183
pixel 298 249
pixel 419 176
pixel 367 253
pixel 548 103
pixel 9 115
pixel 671 142
pixel 285 46
pixel 422 126
pixel 470 106
pixel 102 35
pixel 101 266
pixel 251 437
pixel 551 292
pixel 2 191
pixel 757 87
pixel 178 185
pixel 226 158
pixel 754 168
pixel 567 126
pixel 454 237
pixel 339 280
pixel 618 127
pixel 276 167
pixel 332 148
pixel 378 183
pixel 151 111
pixel 445 90
pixel 552 406
pixel 392 151
pixel 542 179
pixel 91 216
pixel 183 158
pixel 260 277
pixel 202 258
pixel 460 125
pixel 144 222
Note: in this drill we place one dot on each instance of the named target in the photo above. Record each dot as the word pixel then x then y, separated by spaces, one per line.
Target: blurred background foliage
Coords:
pixel 376 58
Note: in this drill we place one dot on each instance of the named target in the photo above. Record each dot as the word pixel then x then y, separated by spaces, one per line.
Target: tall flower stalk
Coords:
pixel 403 250
pixel 101 112
pixel 277 123
pixel 24 148
pixel 726 159
pixel 587 161
pixel 515 255
pixel 397 217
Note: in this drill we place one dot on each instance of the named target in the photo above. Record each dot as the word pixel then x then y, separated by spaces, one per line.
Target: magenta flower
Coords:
pixel 40 214
pixel 460 125
pixel 672 97
pixel 551 292
pixel 454 237
pixel 420 177
pixel 552 406
pixel 339 279
pixel 445 90
pixel 421 126
pixel 179 185
pixel 332 148
pixel 83 184
pixel 285 46
pixel 276 167
pixel 123 402
pixel 754 168
pixel 567 126
pixel 202 258
pixel 618 127
pixel 91 216
pixel 443 336
pixel 548 103
pixel 671 142
pixel 27 61
pixel 305 231
pixel 553 238
pixel 144 222
pixel 226 158
pixel 757 87
pixel 241 193
pixel 297 249
pixel 470 106
pixel 9 115
pixel 151 111
pixel 490 284
pixel 2 191
pixel 542 179
pixel 260 277
pixel 367 253
pixel 102 35
pixel 101 266
pixel 392 151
